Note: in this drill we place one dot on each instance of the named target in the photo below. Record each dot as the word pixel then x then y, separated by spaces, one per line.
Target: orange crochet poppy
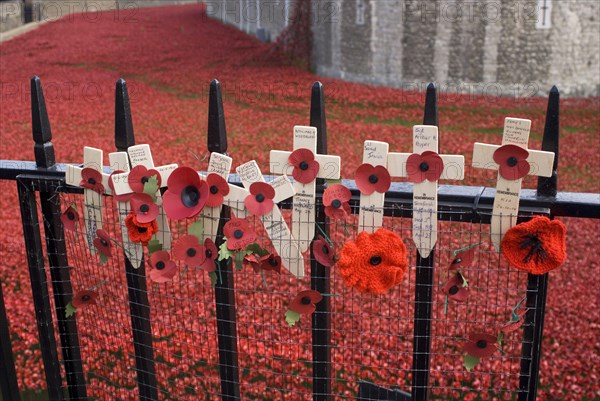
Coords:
pixel 140 232
pixel 536 246
pixel 374 262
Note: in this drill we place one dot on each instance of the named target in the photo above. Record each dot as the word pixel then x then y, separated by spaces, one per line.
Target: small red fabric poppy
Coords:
pixel 271 263
pixel 92 179
pixel 111 185
pixel 371 179
pixel 211 254
pixel 426 166
pixel 238 233
pixel 252 261
pixel 70 218
pixel 335 199
pixel 103 244
pixel 305 302
pixel 374 262
pixel 217 190
pixel 480 345
pixel 139 176
pixel 84 298
pixel 536 246
pixel 187 194
pixel 455 290
pixel 163 268
pixel 306 168
pixel 512 160
pixel 260 200
pixel 512 325
pixel 140 232
pixel 323 252
pixel 143 207
pixel 188 249
pixel 463 259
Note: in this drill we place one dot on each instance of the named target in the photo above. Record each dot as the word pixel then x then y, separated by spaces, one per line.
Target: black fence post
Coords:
pixel 9 388
pixel 139 305
pixel 56 248
pixel 424 290
pixel 224 290
pixel 537 286
pixel 320 279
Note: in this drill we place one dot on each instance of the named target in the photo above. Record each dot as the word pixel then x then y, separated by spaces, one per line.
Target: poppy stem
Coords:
pixel 466 248
pixel 220 276
pixel 331 295
pixel 126 251
pixel 325 235
pixel 262 275
pixel 446 306
pixel 185 269
pixel 98 285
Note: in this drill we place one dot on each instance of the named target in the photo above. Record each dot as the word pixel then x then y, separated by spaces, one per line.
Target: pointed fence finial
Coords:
pixel 430 116
pixel 548 186
pixel 124 136
pixel 317 116
pixel 40 124
pixel 217 133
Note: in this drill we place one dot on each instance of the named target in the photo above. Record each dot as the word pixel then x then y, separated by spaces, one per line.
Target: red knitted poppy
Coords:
pixel 536 246
pixel 374 262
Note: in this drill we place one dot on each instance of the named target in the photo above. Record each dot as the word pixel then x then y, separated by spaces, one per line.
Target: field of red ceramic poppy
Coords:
pixel 168 57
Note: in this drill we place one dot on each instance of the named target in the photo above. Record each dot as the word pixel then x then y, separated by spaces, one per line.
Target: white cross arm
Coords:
pixel 92 158
pixel 329 165
pixel 541 162
pixel 454 166
pixel 121 183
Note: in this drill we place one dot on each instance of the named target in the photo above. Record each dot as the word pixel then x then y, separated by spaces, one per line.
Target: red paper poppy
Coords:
pixel 374 262
pixel 260 200
pixel 187 194
pixel 143 207
pixel 140 232
pixel 455 290
pixel 92 179
pixel 111 185
pixel 512 160
pixel 306 168
pixel 304 303
pixel 480 345
pixel 103 244
pixel 271 263
pixel 463 259
pixel 323 252
pixel 188 249
pixel 217 190
pixel 238 233
pixel 210 255
pixel 70 218
pixel 537 246
pixel 252 261
pixel 371 179
pixel 426 166
pixel 512 325
pixel 163 268
pixel 84 298
pixel 335 199
pixel 139 176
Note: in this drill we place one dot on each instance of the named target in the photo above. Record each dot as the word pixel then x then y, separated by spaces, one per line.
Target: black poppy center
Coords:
pixel 336 204
pixel 453 290
pixel 191 252
pixel 214 189
pixel 373 179
pixel 238 234
pixel 103 242
pixel 375 260
pixel 190 196
pixel 145 179
pixel 86 298
pixel 71 215
pixel 91 181
pixel 142 230
pixel 325 249
pixel 303 166
pixel 536 251
pixel 160 265
pixel 260 198
pixel 456 261
pixel 511 161
pixel 305 301
pixel 424 167
pixel 208 253
pixel 482 344
pixel 273 262
pixel 144 208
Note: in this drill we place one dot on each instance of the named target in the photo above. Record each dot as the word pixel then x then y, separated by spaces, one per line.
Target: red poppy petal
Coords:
pixel 144 208
pixel 164 275
pixel 262 188
pixel 234 224
pixel 137 175
pixel 463 259
pixel 84 298
pixel 523 168
pixel 214 200
pixel 183 244
pixel 181 178
pixel 363 172
pixel 336 191
pixel 309 174
pixel 301 155
pixel 258 208
pixel 472 346
pixel 70 218
pixel 323 252
pixel 413 171
pixel 436 165
pixel 385 180
pixel 159 256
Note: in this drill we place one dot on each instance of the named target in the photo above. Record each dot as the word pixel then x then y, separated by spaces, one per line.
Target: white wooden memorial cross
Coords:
pixel 92 206
pixel 119 161
pixel 424 223
pixel 508 188
pixel 303 212
pixel 279 233
pixel 140 155
pixel 370 215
